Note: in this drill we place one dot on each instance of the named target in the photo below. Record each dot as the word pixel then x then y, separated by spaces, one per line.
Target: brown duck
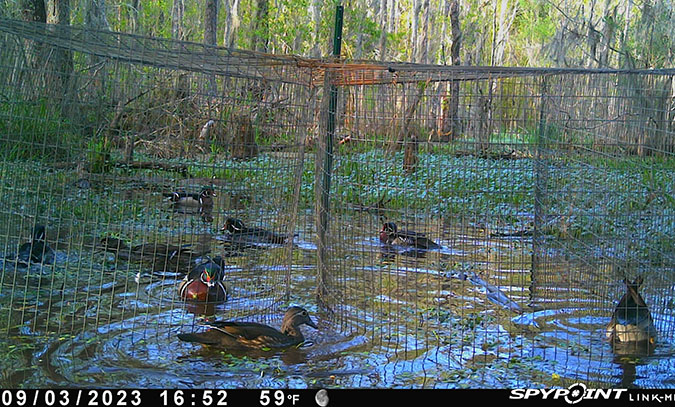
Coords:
pixel 157 253
pixel 631 329
pixel 251 335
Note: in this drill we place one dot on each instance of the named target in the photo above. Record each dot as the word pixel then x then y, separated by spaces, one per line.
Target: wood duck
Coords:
pixel 391 236
pixel 242 233
pixel 37 250
pixel 166 255
pixel 205 282
pixel 202 200
pixel 251 335
pixel 631 329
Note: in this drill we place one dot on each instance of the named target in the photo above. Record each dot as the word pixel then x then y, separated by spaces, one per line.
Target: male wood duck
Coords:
pixel 251 335
pixel 190 200
pixel 631 329
pixel 160 254
pixel 37 250
pixel 243 234
pixel 205 282
pixel 390 235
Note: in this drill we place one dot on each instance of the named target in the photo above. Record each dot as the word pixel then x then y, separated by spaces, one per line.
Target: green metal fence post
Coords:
pixel 324 166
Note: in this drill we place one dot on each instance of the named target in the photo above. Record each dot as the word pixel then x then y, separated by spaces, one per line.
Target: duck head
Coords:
pixel 294 317
pixel 388 232
pixel 39 232
pixel 207 192
pixel 211 275
pixel 233 225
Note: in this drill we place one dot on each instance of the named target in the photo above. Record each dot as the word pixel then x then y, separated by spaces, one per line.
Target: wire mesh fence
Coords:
pixel 445 226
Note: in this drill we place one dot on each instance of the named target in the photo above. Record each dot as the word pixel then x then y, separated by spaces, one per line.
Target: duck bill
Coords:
pixel 311 323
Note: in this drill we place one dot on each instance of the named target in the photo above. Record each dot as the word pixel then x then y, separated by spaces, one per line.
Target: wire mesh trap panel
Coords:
pixel 483 220
pixel 446 227
pixel 128 163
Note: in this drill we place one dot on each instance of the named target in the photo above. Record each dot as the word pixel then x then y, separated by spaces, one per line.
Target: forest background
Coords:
pixel 624 34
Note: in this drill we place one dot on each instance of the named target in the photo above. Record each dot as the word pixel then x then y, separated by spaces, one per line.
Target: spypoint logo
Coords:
pixel 572 395
pixel 576 393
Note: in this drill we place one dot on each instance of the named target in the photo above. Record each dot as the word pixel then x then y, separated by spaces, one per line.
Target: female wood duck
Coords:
pixel 242 233
pixel 205 282
pixel 631 329
pixel 166 255
pixel 391 236
pixel 202 200
pixel 37 250
pixel 251 335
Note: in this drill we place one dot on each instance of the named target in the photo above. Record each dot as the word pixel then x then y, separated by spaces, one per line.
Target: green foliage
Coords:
pixel 98 154
pixel 36 131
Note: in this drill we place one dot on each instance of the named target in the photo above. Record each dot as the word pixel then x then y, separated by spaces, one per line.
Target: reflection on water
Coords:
pixel 460 316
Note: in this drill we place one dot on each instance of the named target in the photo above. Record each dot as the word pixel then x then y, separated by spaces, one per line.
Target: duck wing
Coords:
pixel 264 236
pixel 238 334
pixel 417 239
pixel 632 312
pixel 36 252
pixel 244 330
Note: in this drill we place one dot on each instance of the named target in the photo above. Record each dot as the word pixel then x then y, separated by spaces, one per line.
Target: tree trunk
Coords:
pixel 95 19
pixel 211 22
pixel 423 45
pixel 392 26
pixel 95 16
pixel 607 35
pixel 450 106
pixel 61 60
pixel 316 26
pixel 210 35
pixel 134 22
pixel 232 23
pixel 414 30
pixel 502 36
pixel 626 60
pixel 410 158
pixel 177 14
pixel 382 42
pixel 261 33
pixel 33 10
pixel 406 135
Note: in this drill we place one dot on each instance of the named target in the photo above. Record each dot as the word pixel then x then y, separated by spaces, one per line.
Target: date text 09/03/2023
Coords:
pixel 129 397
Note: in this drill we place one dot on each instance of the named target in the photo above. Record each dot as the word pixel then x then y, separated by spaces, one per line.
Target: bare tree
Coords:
pixel 95 19
pixel 450 105
pixel 33 10
pixel 607 35
pixel 316 26
pixel 415 30
pixel 505 22
pixel 423 44
pixel 61 60
pixel 210 33
pixel 177 15
pixel 211 22
pixel 382 42
pixel 95 15
pixel 232 23
pixel 135 12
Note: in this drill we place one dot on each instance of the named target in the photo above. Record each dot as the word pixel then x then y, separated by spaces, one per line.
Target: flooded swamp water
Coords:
pixel 464 316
